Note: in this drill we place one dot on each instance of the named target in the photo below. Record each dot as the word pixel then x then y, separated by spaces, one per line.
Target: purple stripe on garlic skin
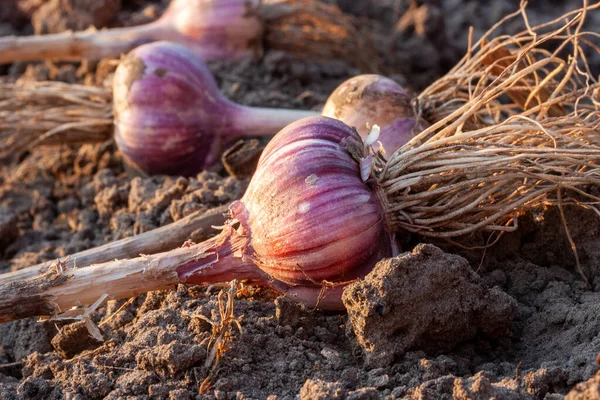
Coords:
pixel 171 118
pixel 375 100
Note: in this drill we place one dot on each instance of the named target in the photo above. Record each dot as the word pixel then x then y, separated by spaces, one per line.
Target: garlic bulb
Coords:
pixel 170 117
pixel 308 214
pixel 367 100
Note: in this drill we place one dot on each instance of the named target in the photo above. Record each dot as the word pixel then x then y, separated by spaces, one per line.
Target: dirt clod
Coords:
pixel 587 390
pixel 319 390
pixel 36 388
pixel 425 299
pixel 72 339
pixel 172 357
pixel 293 314
pixel 241 158
pixel 479 387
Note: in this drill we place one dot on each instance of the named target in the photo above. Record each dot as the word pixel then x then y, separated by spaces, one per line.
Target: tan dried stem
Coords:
pixel 222 334
pixel 33 113
pixel 198 224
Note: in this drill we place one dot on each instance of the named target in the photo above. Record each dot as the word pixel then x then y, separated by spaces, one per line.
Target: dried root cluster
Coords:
pixel 514 126
pixel 33 113
pixel 515 75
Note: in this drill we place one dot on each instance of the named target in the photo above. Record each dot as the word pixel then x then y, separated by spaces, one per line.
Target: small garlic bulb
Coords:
pixel 367 100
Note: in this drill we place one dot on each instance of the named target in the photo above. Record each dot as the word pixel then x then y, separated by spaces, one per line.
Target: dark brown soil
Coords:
pixel 517 323
pixel 59 15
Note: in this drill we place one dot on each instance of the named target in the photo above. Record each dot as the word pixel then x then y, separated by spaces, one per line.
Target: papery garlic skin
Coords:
pixel 375 100
pixel 307 226
pixel 309 216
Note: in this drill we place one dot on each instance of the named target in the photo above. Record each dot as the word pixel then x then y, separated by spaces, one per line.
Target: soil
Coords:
pixel 435 322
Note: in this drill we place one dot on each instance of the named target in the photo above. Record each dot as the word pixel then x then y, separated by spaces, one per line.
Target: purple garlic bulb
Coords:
pixel 308 215
pixel 375 100
pixel 214 29
pixel 171 118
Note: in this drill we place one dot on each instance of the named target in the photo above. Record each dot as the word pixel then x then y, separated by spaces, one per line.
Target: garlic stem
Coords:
pixel 260 121
pixel 214 29
pixel 157 240
pixel 214 260
pixel 78 45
